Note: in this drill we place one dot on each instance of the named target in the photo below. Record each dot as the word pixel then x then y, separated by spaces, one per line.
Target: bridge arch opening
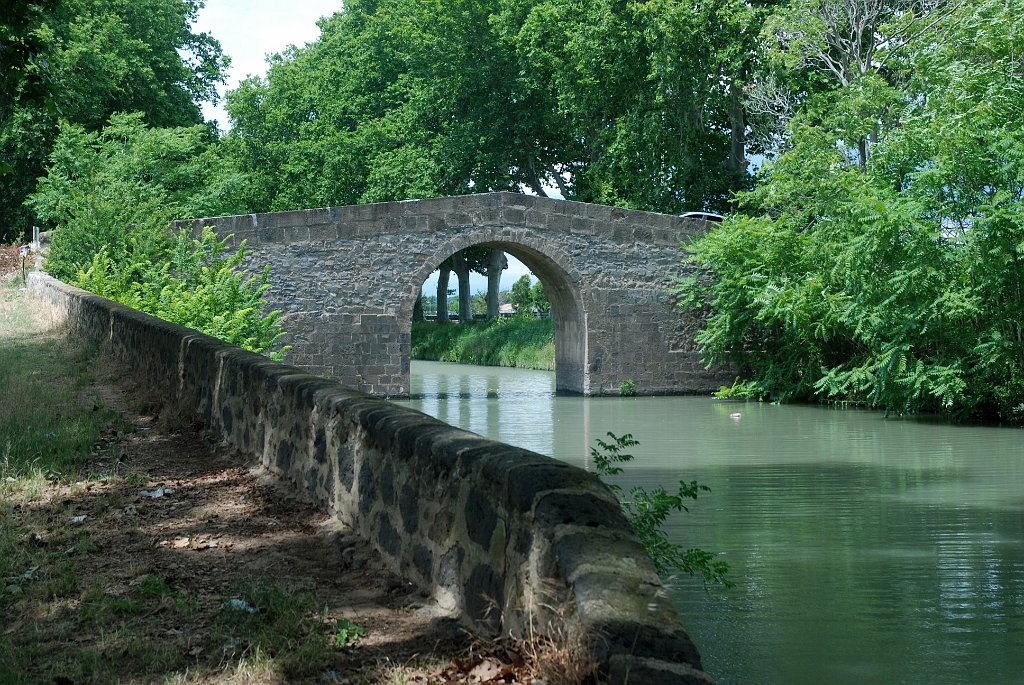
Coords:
pixel 562 286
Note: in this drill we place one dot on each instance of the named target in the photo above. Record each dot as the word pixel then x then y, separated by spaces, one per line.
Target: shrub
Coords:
pixel 197 284
pixel 647 511
pixel 516 342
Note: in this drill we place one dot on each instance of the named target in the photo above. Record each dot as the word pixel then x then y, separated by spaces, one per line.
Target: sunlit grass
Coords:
pixel 47 428
pixel 522 343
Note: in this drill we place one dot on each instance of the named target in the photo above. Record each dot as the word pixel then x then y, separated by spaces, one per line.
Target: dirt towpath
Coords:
pixel 163 557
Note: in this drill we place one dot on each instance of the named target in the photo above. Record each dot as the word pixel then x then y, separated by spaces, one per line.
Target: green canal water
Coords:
pixel 864 550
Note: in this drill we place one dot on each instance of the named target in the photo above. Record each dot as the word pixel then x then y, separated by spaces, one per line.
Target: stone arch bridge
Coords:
pixel 347 279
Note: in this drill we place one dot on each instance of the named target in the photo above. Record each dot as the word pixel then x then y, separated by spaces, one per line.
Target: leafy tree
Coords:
pixel 521 296
pixel 121 187
pixel 444 271
pixel 396 99
pixel 112 195
pixel 889 278
pixel 645 95
pixel 479 304
pixel 636 104
pixel 538 299
pixel 815 46
pixel 496 263
pixel 82 61
pixel 461 268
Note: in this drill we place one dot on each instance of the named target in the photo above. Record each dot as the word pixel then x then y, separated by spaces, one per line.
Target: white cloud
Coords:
pixel 249 30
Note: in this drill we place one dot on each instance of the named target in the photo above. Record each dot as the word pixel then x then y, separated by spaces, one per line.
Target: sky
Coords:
pixel 249 30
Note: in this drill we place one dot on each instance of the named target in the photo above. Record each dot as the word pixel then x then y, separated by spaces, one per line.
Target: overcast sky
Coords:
pixel 249 30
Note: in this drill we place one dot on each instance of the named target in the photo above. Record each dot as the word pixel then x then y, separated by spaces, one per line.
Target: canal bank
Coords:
pixel 863 549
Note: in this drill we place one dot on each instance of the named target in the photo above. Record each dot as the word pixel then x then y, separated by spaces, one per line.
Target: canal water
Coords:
pixel 864 549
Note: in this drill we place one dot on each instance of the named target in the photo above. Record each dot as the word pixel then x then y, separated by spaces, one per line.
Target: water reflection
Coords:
pixel 865 550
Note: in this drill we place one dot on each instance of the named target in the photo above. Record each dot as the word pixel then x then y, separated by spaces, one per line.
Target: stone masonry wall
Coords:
pixel 347 278
pixel 502 537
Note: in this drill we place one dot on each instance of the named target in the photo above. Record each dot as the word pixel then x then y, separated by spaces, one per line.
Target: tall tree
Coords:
pixel 892 278
pixel 444 272
pixel 636 104
pixel 82 61
pixel 461 268
pixel 645 95
pixel 396 99
pixel 118 188
pixel 496 263
pixel 815 46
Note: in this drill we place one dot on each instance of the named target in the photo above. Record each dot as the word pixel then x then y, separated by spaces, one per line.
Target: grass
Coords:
pixel 62 624
pixel 523 343
pixel 47 429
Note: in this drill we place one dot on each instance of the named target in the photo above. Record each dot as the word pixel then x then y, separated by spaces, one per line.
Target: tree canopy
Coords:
pixel 634 104
pixel 80 61
pixel 878 259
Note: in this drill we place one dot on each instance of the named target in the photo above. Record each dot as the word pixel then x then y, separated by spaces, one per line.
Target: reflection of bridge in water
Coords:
pixel 347 279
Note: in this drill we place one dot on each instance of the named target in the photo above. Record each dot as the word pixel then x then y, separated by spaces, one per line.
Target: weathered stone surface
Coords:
pixel 347 278
pixel 506 540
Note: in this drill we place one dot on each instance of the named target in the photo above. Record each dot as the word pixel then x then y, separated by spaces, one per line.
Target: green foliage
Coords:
pixel 46 427
pixel 538 298
pixel 347 633
pixel 80 61
pixel 891 278
pixel 627 388
pixel 122 186
pixel 396 99
pixel 635 104
pixel 197 284
pixel 647 511
pixel 112 195
pixel 645 94
pixel 521 296
pixel 515 342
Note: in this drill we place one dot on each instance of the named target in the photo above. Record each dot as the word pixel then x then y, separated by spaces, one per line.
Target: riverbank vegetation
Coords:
pixel 879 258
pixel 648 510
pixel 111 195
pixel 525 343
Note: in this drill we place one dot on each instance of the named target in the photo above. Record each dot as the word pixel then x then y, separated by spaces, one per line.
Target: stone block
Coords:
pixel 323 233
pixel 579 509
pixel 481 516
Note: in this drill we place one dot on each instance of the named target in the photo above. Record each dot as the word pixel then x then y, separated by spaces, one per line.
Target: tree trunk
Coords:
pixel 496 263
pixel 442 293
pixel 738 147
pixel 461 269
pixel 417 309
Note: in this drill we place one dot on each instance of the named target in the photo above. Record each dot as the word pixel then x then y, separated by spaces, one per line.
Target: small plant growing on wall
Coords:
pixel 647 511
pixel 627 388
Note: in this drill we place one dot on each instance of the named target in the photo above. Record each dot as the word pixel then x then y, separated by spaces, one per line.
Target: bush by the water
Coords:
pixel 893 274
pixel 523 343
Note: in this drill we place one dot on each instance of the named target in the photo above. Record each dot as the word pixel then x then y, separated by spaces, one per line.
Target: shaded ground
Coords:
pixel 152 555
pixel 10 260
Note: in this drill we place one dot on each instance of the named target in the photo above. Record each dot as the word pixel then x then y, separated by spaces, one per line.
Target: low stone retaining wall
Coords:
pixel 505 539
